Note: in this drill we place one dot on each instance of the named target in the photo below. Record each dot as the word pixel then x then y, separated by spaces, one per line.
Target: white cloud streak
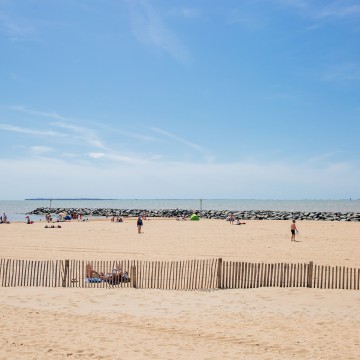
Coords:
pixel 149 28
pixel 333 10
pixel 133 160
pixel 85 134
pixel 338 10
pixel 41 149
pixel 78 133
pixel 22 130
pixel 324 157
pixel 17 30
pixel 178 139
pixel 191 13
pixel 129 134
pixel 346 72
pixel 23 109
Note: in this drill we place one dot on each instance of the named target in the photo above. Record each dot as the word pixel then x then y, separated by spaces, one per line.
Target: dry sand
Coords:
pixel 125 323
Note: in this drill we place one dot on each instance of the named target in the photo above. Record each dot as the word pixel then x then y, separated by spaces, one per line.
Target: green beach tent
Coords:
pixel 194 217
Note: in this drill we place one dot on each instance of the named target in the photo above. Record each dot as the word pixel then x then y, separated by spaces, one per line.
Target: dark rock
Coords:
pixel 207 214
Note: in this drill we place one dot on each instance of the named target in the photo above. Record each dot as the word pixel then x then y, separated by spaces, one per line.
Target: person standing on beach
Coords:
pixel 139 224
pixel 293 230
pixel 231 218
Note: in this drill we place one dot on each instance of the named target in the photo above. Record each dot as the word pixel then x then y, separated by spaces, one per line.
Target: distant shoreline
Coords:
pixel 62 199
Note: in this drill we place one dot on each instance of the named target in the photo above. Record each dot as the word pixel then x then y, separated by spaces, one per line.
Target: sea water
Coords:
pixel 16 210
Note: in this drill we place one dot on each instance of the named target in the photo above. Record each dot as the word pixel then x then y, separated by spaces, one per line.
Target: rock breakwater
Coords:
pixel 207 214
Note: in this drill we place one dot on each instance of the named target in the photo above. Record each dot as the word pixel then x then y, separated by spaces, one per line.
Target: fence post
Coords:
pixel 310 274
pixel 133 276
pixel 219 273
pixel 66 270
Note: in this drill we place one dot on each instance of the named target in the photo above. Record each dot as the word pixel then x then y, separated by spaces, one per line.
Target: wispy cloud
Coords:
pixel 333 10
pixel 178 139
pixel 96 155
pixel 139 136
pixel 23 109
pixel 80 135
pixel 346 72
pixel 149 28
pixel 41 149
pixel 69 155
pixel 339 10
pixel 187 13
pixel 246 19
pixel 299 4
pixel 22 130
pixel 17 29
pixel 191 13
pixel 324 157
pixel 118 158
pixel 85 134
pixel 71 132
pixel 16 78
pixel 129 134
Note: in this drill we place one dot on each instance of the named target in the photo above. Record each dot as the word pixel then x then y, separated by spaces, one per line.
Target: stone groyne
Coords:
pixel 207 214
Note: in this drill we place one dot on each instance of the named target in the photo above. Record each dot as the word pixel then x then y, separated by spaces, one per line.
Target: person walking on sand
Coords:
pixel 139 224
pixel 294 230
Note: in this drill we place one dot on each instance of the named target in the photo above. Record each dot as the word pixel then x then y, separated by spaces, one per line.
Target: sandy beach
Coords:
pixel 126 323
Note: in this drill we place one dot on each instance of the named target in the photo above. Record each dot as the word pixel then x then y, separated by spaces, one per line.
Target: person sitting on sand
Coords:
pixel 293 230
pixel 116 275
pixel 91 273
pixel 29 222
pixel 5 219
pixel 239 223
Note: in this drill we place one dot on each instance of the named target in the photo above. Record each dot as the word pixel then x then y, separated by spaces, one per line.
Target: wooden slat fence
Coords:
pixel 243 275
pixel 176 275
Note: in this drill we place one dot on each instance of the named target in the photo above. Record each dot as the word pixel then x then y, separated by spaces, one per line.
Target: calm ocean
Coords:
pixel 17 209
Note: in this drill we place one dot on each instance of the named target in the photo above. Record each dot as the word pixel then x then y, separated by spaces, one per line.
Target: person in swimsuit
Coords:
pixel 293 230
pixel 231 219
pixel 238 222
pixel 117 275
pixel 139 224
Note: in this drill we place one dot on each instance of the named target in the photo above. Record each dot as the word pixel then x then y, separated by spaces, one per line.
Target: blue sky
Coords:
pixel 180 99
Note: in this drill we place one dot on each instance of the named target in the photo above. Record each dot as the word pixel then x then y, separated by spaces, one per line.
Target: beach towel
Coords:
pixel 93 280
